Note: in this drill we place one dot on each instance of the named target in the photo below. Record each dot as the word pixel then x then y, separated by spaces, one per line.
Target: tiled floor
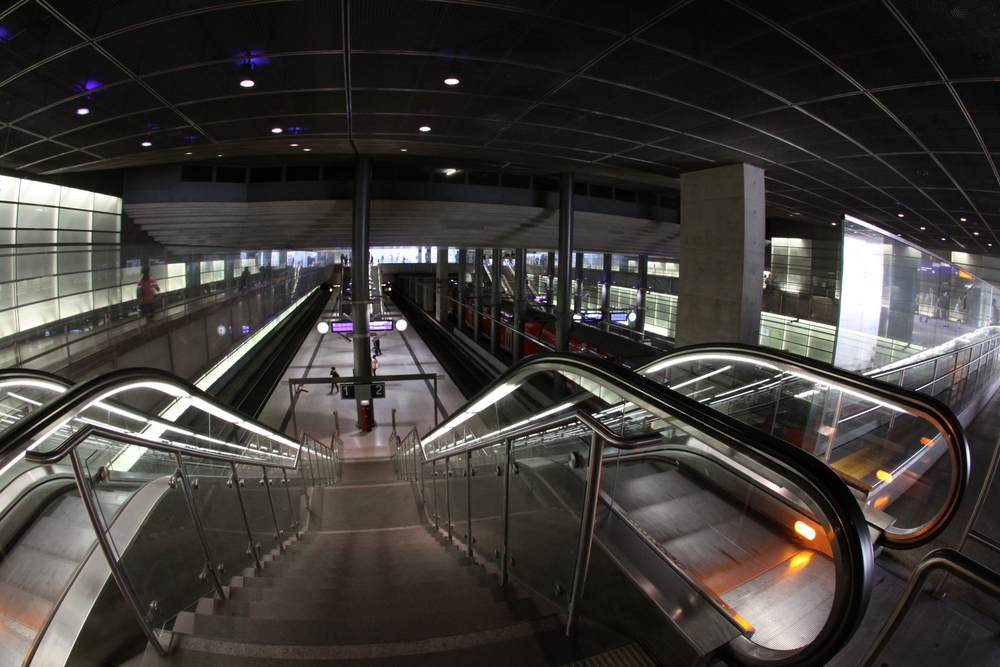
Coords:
pixel 402 354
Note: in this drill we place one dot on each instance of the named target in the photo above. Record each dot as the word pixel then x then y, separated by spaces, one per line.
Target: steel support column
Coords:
pixel 477 296
pixel 564 309
pixel 462 284
pixel 359 272
pixel 640 293
pixel 496 295
pixel 442 286
pixel 520 299
pixel 606 293
pixel 578 287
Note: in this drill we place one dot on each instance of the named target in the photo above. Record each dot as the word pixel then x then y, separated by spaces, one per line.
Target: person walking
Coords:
pixel 378 347
pixel 374 366
pixel 147 297
pixel 333 376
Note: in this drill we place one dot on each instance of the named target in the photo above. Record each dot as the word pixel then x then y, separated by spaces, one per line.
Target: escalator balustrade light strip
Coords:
pixel 701 377
pixel 928 442
pixel 23 398
pixel 123 413
pixel 59 389
pixel 703 357
pixel 884 476
pixel 805 530
pixel 800 560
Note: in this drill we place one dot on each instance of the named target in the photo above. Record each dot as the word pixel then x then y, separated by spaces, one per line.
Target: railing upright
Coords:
pixel 252 547
pixel 212 570
pixel 266 483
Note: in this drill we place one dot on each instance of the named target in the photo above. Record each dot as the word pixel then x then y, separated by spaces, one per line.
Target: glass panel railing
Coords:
pixel 741 518
pixel 903 452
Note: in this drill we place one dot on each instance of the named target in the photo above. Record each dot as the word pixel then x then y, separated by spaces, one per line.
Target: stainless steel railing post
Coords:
pixel 468 498
pixel 103 539
pixel 266 483
pixel 505 527
pixel 434 491
pixel 291 505
pixel 252 548
pixel 447 492
pixel 588 518
pixel 210 564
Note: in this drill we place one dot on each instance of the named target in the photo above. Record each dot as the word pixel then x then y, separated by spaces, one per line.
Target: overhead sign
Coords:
pixel 348 327
pixel 362 391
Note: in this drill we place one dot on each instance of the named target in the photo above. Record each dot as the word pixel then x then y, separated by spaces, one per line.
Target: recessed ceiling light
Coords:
pixel 962 219
pixel 425 128
pixel 975 233
pixel 307 149
pixel 833 224
pixel 246 75
pixel 188 153
pixel 451 81
pixel 147 144
pixel 403 150
pixel 82 111
pixel 293 145
pixel 944 239
pixel 277 130
pixel 900 214
pixel 449 172
pixel 923 229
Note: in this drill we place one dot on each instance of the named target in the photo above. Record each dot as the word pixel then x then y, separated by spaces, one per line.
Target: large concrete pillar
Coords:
pixel 520 299
pixel 477 296
pixel 606 294
pixel 442 285
pixel 460 312
pixel 722 255
pixel 640 293
pixel 359 281
pixel 496 296
pixel 564 305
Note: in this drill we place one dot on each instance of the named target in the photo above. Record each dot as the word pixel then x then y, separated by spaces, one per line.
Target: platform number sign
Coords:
pixel 349 391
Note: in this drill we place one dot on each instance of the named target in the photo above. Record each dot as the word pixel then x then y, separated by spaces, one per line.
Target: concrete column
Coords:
pixel 428 294
pixel 496 296
pixel 578 291
pixel 442 286
pixel 640 292
pixel 564 307
pixel 520 299
pixel 477 296
pixel 359 276
pixel 606 294
pixel 462 255
pixel 550 280
pixel 722 255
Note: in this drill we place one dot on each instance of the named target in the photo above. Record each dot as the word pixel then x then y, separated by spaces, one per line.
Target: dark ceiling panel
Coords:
pixel 932 113
pixel 433 105
pixel 273 107
pixel 313 127
pixel 32 153
pixel 458 31
pixel 553 116
pixel 872 170
pixel 522 132
pixel 963 36
pixel 798 128
pixel 29 35
pixel 646 67
pixel 859 117
pixel 132 129
pixel 973 171
pixel 982 100
pixel 919 169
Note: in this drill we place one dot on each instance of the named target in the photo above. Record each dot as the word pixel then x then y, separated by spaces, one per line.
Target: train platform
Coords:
pixel 317 411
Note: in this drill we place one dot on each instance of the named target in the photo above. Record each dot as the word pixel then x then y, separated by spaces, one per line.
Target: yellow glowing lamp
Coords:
pixel 927 441
pixel 800 559
pixel 884 476
pixel 805 530
pixel 964 274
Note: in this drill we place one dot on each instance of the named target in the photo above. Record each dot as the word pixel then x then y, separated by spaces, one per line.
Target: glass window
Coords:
pixel 73 198
pixel 36 192
pixel 107 204
pixel 72 219
pixel 10 188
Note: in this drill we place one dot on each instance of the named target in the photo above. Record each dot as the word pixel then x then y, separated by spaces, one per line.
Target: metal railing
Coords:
pixel 738 441
pixel 158 443
pixel 949 560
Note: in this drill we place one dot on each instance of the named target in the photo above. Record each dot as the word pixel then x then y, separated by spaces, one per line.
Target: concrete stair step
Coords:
pixel 371 567
pixel 352 631
pixel 344 584
pixel 312 594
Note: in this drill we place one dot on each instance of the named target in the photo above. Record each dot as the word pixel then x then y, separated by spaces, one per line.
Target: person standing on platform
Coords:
pixel 374 366
pixel 147 297
pixel 333 376
pixel 378 348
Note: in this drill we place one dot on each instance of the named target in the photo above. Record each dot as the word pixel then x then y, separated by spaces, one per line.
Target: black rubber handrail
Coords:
pixel 913 402
pixel 850 538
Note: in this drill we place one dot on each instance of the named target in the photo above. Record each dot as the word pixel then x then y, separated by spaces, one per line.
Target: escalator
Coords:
pixel 712 538
pixel 742 546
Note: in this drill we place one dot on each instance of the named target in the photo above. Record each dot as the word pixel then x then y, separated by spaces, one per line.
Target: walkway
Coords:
pixel 402 354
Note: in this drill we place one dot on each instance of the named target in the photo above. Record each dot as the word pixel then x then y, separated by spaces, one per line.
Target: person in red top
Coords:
pixel 147 297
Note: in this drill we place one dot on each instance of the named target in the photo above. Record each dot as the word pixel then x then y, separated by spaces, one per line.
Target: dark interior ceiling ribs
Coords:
pixel 884 109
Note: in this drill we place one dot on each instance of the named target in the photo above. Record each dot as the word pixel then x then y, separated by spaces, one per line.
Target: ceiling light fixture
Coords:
pixel 425 128
pixel 188 153
pixel 293 145
pixel 147 144
pixel 82 111
pixel 944 239
pixel 277 130
pixel 246 75
pixel 403 150
pixel 975 233
pixel 451 81
pixel 923 229
pixel 449 172
pixel 962 219
pixel 307 149
pixel 900 214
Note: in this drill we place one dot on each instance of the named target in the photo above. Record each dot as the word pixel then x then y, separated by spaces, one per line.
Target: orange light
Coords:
pixel 880 503
pixel 927 441
pixel 744 623
pixel 884 476
pixel 800 560
pixel 964 274
pixel 805 530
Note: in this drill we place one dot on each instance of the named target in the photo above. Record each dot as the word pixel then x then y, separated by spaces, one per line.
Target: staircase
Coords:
pixel 373 585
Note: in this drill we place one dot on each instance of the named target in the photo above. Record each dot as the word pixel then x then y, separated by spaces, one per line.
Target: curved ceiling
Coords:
pixel 884 109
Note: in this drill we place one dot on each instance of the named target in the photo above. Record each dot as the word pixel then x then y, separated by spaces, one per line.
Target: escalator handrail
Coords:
pixel 15 374
pixel 923 405
pixel 27 432
pixel 849 527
